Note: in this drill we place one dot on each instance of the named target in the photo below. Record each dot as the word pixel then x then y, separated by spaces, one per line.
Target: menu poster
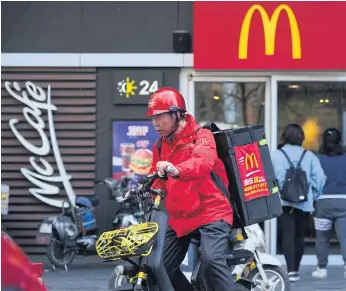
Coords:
pixel 132 148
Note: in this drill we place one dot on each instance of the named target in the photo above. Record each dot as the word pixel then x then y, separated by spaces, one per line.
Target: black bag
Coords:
pixel 255 210
pixel 296 185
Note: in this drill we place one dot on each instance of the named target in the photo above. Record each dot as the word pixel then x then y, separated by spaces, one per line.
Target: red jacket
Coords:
pixel 193 199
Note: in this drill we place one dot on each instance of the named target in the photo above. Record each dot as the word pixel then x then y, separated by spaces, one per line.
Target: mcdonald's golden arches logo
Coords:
pixel 269 26
pixel 253 161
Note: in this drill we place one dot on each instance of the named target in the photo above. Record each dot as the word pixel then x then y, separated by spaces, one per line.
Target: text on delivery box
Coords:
pixel 251 171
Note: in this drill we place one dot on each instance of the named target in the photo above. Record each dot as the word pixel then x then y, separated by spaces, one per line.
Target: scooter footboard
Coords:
pixel 238 257
pixel 155 260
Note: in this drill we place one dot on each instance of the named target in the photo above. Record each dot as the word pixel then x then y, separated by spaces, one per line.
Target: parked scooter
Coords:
pixel 129 212
pixel 265 270
pixel 72 232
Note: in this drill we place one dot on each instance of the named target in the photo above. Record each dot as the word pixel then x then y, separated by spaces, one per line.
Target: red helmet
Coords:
pixel 165 100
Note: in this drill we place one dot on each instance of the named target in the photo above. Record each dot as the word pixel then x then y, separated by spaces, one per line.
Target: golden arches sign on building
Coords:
pixel 269 26
pixel 253 161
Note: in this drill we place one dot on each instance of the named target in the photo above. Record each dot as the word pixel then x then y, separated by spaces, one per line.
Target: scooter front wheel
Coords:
pixel 277 279
pixel 57 254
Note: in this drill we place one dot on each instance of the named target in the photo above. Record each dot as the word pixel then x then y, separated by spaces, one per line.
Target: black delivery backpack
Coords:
pixel 252 183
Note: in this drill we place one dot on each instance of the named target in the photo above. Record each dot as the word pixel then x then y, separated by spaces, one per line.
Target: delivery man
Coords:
pixel 194 202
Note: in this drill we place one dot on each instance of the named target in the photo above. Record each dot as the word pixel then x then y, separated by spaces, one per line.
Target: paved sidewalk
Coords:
pixel 90 274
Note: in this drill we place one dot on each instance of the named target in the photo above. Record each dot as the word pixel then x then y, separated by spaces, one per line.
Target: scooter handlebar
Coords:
pixel 145 186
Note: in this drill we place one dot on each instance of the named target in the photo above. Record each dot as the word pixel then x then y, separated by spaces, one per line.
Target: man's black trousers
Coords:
pixel 214 274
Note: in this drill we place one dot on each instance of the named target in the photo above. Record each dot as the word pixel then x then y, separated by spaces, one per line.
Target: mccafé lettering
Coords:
pixel 35 100
pixel 269 26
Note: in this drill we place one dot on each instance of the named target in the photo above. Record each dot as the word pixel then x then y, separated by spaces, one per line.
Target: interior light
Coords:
pixel 321 100
pixel 293 86
pixel 312 133
pixel 216 97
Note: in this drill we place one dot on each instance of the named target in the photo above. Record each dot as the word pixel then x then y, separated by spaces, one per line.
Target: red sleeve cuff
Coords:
pixel 181 173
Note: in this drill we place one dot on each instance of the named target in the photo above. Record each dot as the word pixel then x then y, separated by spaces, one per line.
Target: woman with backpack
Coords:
pixel 301 180
pixel 331 206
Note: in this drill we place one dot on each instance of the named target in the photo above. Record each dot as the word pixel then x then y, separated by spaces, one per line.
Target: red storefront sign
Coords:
pixel 269 35
pixel 251 171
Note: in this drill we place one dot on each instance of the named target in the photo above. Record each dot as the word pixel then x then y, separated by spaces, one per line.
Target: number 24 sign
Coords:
pixel 147 88
pixel 129 87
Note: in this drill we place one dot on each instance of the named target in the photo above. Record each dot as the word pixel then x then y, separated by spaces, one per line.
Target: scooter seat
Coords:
pixel 94 201
pixel 87 201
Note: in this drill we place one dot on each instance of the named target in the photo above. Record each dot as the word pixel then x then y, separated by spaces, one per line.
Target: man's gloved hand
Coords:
pixel 162 166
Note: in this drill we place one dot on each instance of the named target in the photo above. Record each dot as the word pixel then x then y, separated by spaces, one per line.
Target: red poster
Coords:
pixel 251 171
pixel 269 35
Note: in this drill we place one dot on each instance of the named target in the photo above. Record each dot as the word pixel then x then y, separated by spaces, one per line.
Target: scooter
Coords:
pixel 72 232
pixel 129 212
pixel 142 246
pixel 265 269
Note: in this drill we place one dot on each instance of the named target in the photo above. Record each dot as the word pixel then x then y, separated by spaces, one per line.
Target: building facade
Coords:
pixel 236 63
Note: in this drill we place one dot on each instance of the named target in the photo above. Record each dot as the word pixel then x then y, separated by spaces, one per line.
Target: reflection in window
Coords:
pixel 230 105
pixel 314 106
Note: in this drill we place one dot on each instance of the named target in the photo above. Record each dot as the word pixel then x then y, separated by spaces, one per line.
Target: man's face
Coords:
pixel 164 123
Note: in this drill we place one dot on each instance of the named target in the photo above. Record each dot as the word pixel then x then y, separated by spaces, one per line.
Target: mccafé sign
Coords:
pixel 269 35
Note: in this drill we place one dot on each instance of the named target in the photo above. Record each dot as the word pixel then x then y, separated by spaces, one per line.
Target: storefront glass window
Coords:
pixel 229 105
pixel 315 106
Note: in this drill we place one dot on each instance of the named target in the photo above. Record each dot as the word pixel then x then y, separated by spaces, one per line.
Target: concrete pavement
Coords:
pixel 90 274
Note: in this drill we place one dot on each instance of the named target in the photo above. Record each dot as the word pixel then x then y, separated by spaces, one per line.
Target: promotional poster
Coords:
pixel 132 148
pixel 251 171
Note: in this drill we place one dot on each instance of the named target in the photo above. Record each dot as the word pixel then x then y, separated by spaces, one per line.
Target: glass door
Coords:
pixel 315 103
pixel 232 102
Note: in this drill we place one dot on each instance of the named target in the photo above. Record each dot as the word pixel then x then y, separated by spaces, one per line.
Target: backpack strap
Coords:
pixel 301 159
pixel 288 159
pixel 222 187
